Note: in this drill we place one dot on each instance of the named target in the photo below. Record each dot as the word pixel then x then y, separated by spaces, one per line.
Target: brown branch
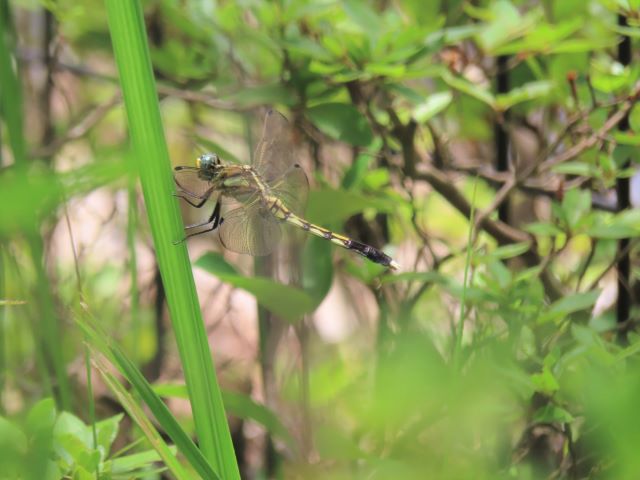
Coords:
pixel 591 141
pixel 541 166
pixel 534 186
pixel 441 183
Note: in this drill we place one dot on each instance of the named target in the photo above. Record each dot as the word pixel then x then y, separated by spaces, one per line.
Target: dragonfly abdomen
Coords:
pixel 280 211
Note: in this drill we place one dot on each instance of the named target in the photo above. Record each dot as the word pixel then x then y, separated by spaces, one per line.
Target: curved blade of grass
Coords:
pixel 138 416
pixel 240 405
pixel 141 102
pixel 100 342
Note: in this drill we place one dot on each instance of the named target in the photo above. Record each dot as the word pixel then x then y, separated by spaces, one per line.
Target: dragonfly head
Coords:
pixel 208 161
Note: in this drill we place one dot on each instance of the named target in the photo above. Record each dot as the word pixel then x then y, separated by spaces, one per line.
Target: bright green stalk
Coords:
pixel 147 136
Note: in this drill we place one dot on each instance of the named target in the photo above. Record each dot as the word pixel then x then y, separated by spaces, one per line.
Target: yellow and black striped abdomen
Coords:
pixel 279 210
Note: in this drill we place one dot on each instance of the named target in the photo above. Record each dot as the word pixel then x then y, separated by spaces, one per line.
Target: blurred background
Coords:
pixel 489 147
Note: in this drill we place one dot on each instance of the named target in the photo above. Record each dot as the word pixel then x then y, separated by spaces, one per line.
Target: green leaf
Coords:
pixel 410 94
pixel 128 464
pixel 542 38
pixel 386 70
pixel 578 45
pixel 69 425
pixel 362 15
pixel 545 382
pixel 309 49
pixel 287 302
pixel 510 251
pixel 42 415
pixel 543 229
pixel 634 118
pixel 12 439
pixel 574 303
pixel 622 225
pixel 107 431
pixel 376 179
pixel 342 122
pixel 354 175
pixel 552 414
pixel 435 104
pixel 627 138
pixel 452 35
pixel 576 205
pixel 528 91
pixel 505 25
pixel 476 91
pixel 609 76
pixel 582 169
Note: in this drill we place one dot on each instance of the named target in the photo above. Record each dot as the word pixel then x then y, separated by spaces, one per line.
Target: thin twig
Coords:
pixel 541 165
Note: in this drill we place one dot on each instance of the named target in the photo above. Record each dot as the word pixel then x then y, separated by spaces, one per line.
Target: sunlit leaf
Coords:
pixel 433 105
pixel 543 228
pixel 545 382
pixel 576 168
pixel 476 91
pixel 552 414
pixel 362 15
pixel 575 302
pixel 524 93
pixel 622 225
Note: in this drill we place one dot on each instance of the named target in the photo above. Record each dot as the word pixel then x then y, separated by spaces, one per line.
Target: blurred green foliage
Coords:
pixel 396 107
pixel 47 444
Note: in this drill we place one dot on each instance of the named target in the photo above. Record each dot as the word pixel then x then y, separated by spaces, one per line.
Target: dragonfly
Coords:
pixel 253 201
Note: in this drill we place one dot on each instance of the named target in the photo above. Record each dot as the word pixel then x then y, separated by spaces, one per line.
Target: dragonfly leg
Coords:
pixel 215 220
pixel 206 230
pixel 187 196
pixel 202 200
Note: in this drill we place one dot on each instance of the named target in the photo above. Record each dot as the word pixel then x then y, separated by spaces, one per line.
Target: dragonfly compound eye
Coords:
pixel 207 160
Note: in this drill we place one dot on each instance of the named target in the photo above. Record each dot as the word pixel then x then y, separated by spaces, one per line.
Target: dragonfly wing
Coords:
pixel 189 182
pixel 292 188
pixel 274 153
pixel 248 229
